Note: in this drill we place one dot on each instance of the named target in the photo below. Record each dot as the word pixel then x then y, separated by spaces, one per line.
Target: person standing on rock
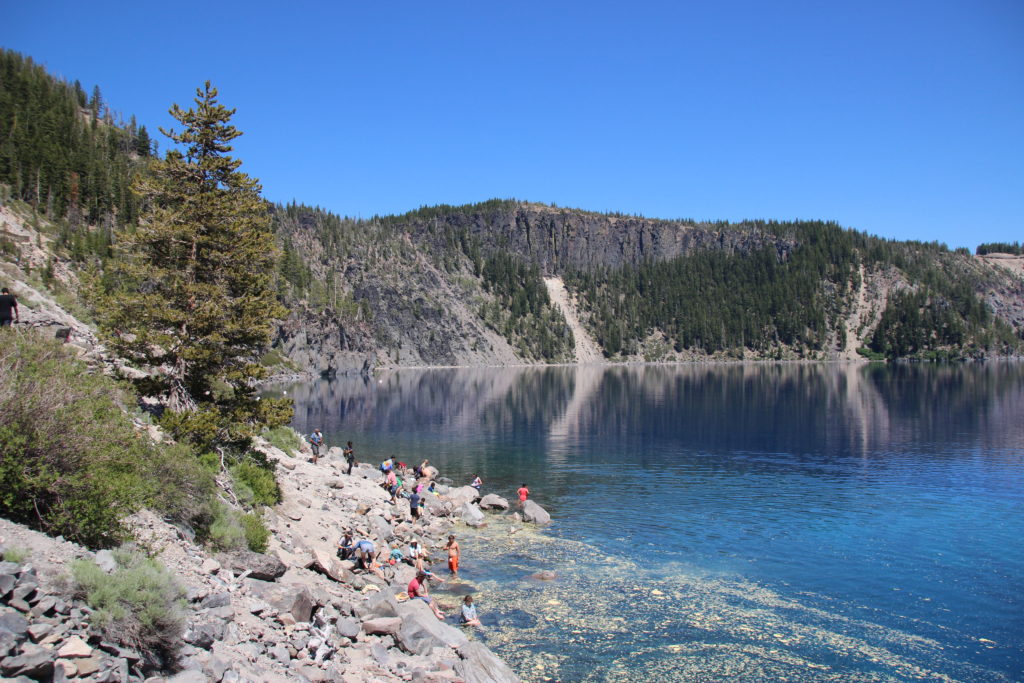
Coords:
pixel 8 308
pixel 452 546
pixel 316 439
pixel 414 505
pixel 350 456
pixel 524 493
pixel 417 590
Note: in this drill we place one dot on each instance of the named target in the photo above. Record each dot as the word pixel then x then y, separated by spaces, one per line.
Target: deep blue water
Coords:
pixel 815 522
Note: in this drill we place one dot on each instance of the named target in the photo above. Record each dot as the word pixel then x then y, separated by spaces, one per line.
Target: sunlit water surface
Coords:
pixel 800 522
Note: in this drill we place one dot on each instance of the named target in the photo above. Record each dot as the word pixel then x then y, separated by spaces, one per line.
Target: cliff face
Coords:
pixel 559 239
pixel 413 287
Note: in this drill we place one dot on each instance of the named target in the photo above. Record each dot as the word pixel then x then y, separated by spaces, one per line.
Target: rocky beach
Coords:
pixel 294 613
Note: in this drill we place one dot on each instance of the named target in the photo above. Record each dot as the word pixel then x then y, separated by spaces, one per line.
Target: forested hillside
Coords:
pixel 455 285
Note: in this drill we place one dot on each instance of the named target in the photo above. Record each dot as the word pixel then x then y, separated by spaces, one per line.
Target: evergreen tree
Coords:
pixel 193 293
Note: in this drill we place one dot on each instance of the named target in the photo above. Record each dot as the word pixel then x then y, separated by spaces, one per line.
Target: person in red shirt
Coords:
pixel 418 590
pixel 524 493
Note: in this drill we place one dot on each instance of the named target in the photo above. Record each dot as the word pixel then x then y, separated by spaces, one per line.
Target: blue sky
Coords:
pixel 904 119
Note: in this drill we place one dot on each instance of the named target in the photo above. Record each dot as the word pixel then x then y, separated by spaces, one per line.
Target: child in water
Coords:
pixel 469 617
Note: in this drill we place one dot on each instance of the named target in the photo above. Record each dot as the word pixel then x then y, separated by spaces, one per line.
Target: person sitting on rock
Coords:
pixel 468 616
pixel 396 555
pixel 345 546
pixel 477 483
pixel 418 590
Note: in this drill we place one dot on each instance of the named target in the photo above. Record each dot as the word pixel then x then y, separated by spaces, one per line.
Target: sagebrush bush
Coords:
pixel 226 531
pixel 257 481
pixel 71 462
pixel 139 605
pixel 284 438
pixel 234 530
pixel 256 533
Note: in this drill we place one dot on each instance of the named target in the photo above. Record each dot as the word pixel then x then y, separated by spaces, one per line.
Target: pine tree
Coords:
pixel 194 295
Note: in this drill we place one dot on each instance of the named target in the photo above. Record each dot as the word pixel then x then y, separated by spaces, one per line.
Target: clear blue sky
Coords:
pixel 904 119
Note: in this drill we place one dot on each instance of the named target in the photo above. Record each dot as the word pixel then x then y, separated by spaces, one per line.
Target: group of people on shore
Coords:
pixel 369 558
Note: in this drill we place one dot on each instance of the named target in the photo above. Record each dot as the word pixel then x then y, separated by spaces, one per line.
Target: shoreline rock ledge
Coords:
pixel 295 613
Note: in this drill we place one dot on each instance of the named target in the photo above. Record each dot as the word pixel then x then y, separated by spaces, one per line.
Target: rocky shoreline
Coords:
pixel 294 613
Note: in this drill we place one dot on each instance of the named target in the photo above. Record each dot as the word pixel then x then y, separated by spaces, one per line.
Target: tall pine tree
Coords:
pixel 194 296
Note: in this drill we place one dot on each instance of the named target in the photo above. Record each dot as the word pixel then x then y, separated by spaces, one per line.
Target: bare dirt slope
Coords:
pixel 587 350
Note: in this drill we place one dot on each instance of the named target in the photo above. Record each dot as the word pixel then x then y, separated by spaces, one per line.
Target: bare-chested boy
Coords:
pixel 452 546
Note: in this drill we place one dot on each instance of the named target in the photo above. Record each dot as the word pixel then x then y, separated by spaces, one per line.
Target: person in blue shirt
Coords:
pixel 469 617
pixel 316 439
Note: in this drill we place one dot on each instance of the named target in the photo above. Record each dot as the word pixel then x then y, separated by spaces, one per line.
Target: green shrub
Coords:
pixel 256 534
pixel 71 462
pixel 15 555
pixel 259 480
pixel 139 605
pixel 284 438
pixel 233 530
pixel 226 532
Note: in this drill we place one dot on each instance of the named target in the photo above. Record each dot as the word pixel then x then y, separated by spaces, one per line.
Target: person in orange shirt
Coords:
pixel 524 493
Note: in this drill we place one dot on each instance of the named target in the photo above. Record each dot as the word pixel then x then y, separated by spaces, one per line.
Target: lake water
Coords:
pixel 719 522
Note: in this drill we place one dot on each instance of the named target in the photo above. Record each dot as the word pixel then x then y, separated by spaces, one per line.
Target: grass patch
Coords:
pixel 15 555
pixel 139 605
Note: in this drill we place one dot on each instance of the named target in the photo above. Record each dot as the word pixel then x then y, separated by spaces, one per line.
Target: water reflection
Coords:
pixel 792 408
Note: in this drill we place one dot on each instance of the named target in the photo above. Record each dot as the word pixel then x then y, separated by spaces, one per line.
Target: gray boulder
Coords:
pixel 105 561
pixel 480 665
pixel 463 495
pixel 388 626
pixel 471 515
pixel 421 631
pixel 535 513
pixel 493 501
pixel 347 627
pixel 259 566
pixel 34 662
pixel 382 604
pixel 434 505
pixel 381 528
pixel 205 633
pixel 295 600
pixel 13 622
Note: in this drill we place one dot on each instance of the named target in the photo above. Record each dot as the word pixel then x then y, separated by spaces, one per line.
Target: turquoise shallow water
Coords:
pixel 801 522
